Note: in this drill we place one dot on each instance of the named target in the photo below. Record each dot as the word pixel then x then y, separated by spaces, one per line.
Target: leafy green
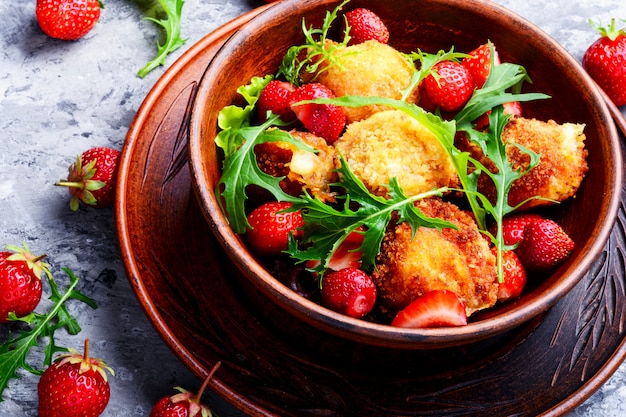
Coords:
pixel 327 227
pixel 13 352
pixel 318 50
pixel 171 24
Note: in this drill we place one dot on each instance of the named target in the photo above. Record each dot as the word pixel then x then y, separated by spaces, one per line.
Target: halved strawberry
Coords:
pixel 324 120
pixel 451 87
pixel 366 25
pixel 271 226
pixel 275 98
pixel 479 63
pixel 544 245
pixel 514 276
pixel 438 308
pixel 347 254
pixel 349 291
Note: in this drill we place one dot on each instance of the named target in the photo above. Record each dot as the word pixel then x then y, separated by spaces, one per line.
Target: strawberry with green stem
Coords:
pixel 75 385
pixel 184 404
pixel 20 281
pixel 91 179
pixel 605 61
pixel 67 19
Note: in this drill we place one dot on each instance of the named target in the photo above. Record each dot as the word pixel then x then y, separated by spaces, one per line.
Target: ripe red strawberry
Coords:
pixel 437 308
pixel 349 291
pixel 74 385
pixel 20 281
pixel 347 254
pixel 67 19
pixel 544 245
pixel 324 120
pixel 91 179
pixel 270 230
pixel 605 61
pixel 514 276
pixel 513 226
pixel 184 404
pixel 366 25
pixel 451 88
pixel 514 108
pixel 275 97
pixel 479 63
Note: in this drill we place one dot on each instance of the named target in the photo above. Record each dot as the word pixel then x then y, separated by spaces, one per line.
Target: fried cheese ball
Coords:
pixel 456 260
pixel 391 144
pixel 562 165
pixel 303 170
pixel 368 69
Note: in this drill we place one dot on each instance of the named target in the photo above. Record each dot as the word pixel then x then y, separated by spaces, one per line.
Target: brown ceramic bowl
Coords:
pixel 429 25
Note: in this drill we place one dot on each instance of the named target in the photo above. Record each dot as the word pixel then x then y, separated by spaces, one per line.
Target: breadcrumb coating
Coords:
pixel 562 165
pixel 368 69
pixel 392 144
pixel 456 260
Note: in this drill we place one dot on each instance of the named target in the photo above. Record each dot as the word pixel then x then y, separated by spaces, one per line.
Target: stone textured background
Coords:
pixel 59 98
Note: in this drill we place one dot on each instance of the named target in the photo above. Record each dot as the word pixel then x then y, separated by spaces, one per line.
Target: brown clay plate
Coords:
pixel 273 364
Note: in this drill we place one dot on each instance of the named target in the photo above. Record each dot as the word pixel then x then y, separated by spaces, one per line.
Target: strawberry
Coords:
pixel 67 19
pixel 74 385
pixel 91 179
pixel 349 291
pixel 437 308
pixel 347 254
pixel 275 97
pixel 513 226
pixel 324 120
pixel 270 227
pixel 366 25
pixel 514 276
pixel 605 61
pixel 544 245
pixel 513 108
pixel 449 86
pixel 184 404
pixel 479 63
pixel 20 281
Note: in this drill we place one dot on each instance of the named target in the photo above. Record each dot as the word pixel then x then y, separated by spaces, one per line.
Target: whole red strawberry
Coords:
pixel 324 120
pixel 544 245
pixel 478 63
pixel 275 97
pixel 184 404
pixel 74 385
pixel 20 281
pixel 91 179
pixel 67 19
pixel 349 291
pixel 450 86
pixel 366 25
pixel 514 276
pixel 437 308
pixel 271 227
pixel 605 61
pixel 513 226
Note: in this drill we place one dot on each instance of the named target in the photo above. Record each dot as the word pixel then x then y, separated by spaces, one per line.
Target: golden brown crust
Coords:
pixel 457 260
pixel 392 144
pixel 562 166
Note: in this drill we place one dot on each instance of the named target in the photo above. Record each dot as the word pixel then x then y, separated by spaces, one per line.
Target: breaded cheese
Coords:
pixel 456 260
pixel 368 69
pixel 304 170
pixel 562 165
pixel 392 144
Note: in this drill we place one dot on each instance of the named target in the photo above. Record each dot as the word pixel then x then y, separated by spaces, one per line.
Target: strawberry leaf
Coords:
pixel 171 25
pixel 13 352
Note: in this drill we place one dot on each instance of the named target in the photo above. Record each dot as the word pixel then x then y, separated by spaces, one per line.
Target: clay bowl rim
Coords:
pixel 381 334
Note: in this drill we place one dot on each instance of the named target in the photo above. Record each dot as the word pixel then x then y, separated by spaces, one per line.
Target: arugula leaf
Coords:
pixel 326 227
pixel 318 50
pixel 173 10
pixel 13 352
